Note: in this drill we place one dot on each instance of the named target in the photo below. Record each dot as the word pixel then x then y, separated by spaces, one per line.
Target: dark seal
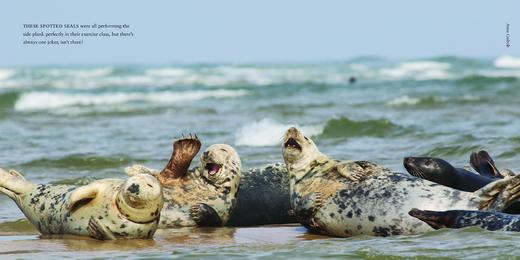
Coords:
pixel 468 218
pixel 442 172
pixel 263 198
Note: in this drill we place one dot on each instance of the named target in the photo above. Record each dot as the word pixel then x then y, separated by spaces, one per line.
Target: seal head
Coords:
pixel 299 152
pixel 220 166
pixel 140 198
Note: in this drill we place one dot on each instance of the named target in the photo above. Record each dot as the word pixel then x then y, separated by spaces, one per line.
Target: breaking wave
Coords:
pixel 345 127
pixel 420 70
pixel 50 100
pixel 506 61
pixel 268 132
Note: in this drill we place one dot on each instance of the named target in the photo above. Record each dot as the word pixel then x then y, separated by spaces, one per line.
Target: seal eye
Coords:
pixel 212 168
pixel 428 162
pixel 291 143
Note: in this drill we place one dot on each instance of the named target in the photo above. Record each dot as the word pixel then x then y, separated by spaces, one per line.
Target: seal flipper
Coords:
pixel 205 216
pixel 356 170
pixel 435 219
pixel 99 231
pixel 82 195
pixel 184 150
pixel 306 207
pixel 484 164
pixel 499 195
pixel 140 169
pixel 13 183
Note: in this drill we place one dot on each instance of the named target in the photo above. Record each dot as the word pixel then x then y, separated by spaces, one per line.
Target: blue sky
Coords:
pixel 264 31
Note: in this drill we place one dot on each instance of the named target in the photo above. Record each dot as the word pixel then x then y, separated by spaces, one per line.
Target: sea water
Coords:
pixel 75 124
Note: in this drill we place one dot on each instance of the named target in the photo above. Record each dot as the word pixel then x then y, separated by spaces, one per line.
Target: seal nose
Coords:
pixel 408 160
pixel 141 198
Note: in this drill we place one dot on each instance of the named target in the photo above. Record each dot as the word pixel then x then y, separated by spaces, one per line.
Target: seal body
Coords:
pixel 468 218
pixel 263 197
pixel 440 171
pixel 345 198
pixel 377 204
pixel 203 196
pixel 103 209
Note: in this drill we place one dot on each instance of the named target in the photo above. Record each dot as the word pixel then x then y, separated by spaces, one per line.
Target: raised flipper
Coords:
pixel 13 183
pixel 82 195
pixel 140 169
pixel 205 216
pixel 306 207
pixel 184 150
pixel 356 170
pixel 484 164
pixel 436 219
pixel 98 231
pixel 499 195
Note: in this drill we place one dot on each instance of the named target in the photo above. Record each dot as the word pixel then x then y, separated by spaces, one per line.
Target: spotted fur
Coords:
pixel 103 209
pixel 345 198
pixel 187 199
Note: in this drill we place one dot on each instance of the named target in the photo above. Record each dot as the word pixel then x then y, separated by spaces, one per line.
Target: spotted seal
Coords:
pixel 471 218
pixel 345 198
pixel 203 196
pixel 104 209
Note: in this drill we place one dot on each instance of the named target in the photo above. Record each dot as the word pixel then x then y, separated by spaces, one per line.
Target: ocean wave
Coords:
pixel 507 61
pixel 403 100
pixel 51 100
pixel 268 132
pixel 428 101
pixel 8 99
pixel 6 73
pixel 420 70
pixel 490 79
pixel 79 73
pixel 345 127
pixel 82 162
pixel 452 150
pixel 167 72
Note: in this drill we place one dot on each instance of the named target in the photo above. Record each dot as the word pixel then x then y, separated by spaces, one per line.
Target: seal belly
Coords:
pixel 45 207
pixel 379 205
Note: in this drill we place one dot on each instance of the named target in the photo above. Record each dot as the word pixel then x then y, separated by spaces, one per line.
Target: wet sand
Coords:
pixel 26 242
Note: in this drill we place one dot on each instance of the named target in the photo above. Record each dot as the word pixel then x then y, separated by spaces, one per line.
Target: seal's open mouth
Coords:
pixel 291 143
pixel 212 168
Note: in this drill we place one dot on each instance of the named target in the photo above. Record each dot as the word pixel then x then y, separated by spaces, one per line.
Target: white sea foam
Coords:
pixel 268 132
pixel 403 100
pixel 507 61
pixel 420 70
pixel 6 73
pixel 80 73
pixel 49 100
pixel 167 72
